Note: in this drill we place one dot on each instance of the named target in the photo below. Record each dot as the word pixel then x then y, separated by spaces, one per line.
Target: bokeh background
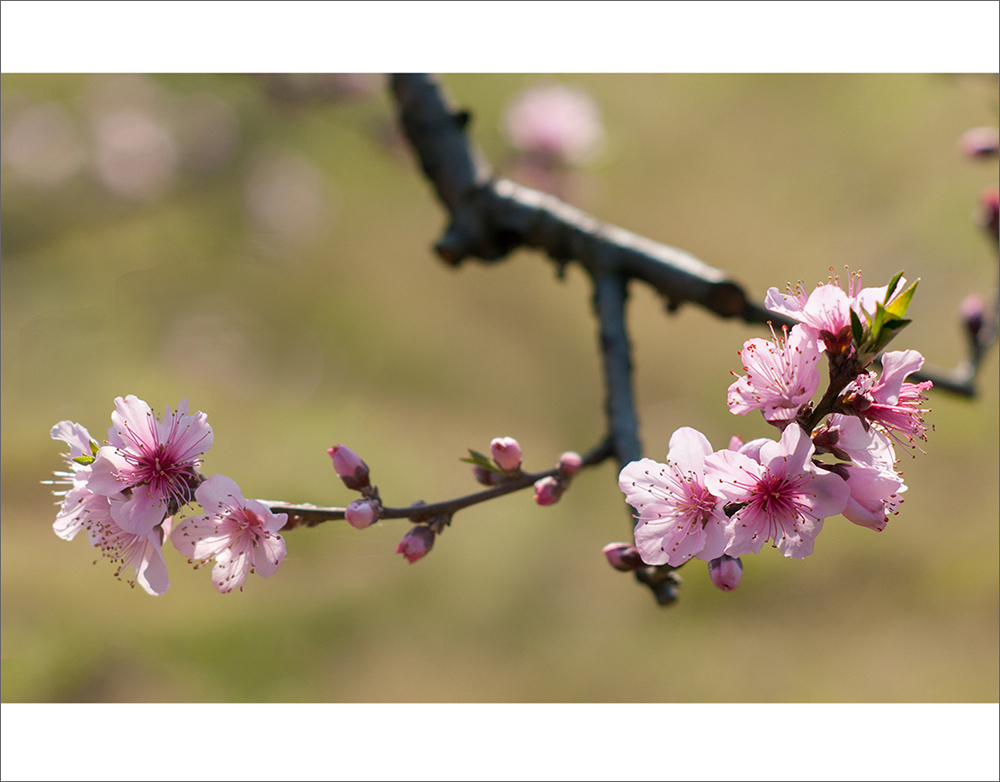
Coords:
pixel 262 245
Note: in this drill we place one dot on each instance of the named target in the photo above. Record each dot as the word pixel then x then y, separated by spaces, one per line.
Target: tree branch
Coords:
pixel 305 515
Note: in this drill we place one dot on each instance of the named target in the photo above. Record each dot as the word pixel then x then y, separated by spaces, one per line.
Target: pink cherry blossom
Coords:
pixel 155 462
pixel 781 498
pixel 677 516
pixel 781 375
pixel 874 495
pixel 871 474
pixel 554 123
pixel 77 500
pixel 828 308
pixel 850 439
pixel 241 535
pixel 889 401
pixel 138 556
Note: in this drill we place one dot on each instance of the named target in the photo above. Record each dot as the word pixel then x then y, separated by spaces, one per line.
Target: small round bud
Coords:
pixel 623 556
pixel 362 513
pixel 726 572
pixel 548 491
pixel 989 204
pixel 972 310
pixel 570 464
pixel 484 476
pixel 349 466
pixel 506 453
pixel 416 543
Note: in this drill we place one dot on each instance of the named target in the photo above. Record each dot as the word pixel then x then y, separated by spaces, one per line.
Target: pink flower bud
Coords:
pixel 989 204
pixel 416 543
pixel 362 513
pixel 972 309
pixel 349 466
pixel 506 453
pixel 980 142
pixel 623 556
pixel 570 464
pixel 484 476
pixel 726 572
pixel 548 491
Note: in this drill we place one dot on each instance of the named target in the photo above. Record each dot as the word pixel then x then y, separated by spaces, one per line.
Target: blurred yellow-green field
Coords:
pixel 262 246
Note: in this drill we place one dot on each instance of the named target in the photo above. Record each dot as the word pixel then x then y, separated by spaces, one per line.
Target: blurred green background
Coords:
pixel 262 246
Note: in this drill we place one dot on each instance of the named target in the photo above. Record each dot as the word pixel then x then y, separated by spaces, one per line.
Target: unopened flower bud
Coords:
pixel 506 453
pixel 726 572
pixel 989 204
pixel 484 476
pixel 980 142
pixel 972 310
pixel 362 513
pixel 548 491
pixel 349 466
pixel 416 543
pixel 623 556
pixel 570 464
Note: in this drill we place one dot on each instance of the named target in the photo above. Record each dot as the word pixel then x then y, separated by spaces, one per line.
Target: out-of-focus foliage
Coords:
pixel 261 245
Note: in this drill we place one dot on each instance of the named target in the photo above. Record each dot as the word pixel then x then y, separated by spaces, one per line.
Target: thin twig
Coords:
pixel 304 515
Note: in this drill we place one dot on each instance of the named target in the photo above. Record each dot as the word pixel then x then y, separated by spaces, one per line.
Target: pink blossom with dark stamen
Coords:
pixel 781 497
pixel 781 375
pixel 241 535
pixel 828 308
pixel 155 463
pixel 139 557
pixel 677 516
pixel 889 401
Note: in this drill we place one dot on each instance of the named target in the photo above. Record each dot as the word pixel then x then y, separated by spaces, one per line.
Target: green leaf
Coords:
pixel 857 330
pixel 892 286
pixel 897 308
pixel 85 460
pixel 482 461
pixel 94 447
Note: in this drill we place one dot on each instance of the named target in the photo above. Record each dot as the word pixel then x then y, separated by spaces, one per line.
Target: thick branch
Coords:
pixel 490 217
pixel 623 424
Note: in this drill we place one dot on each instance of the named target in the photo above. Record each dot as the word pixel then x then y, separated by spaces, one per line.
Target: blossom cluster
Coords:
pixel 126 495
pixel 834 457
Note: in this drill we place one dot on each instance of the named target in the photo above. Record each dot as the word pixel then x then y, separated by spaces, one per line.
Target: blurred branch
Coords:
pixel 490 217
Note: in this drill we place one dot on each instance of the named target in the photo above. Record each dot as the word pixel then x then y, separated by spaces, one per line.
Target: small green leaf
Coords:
pixel 892 286
pixel 857 330
pixel 889 331
pixel 94 447
pixel 85 460
pixel 897 308
pixel 481 460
